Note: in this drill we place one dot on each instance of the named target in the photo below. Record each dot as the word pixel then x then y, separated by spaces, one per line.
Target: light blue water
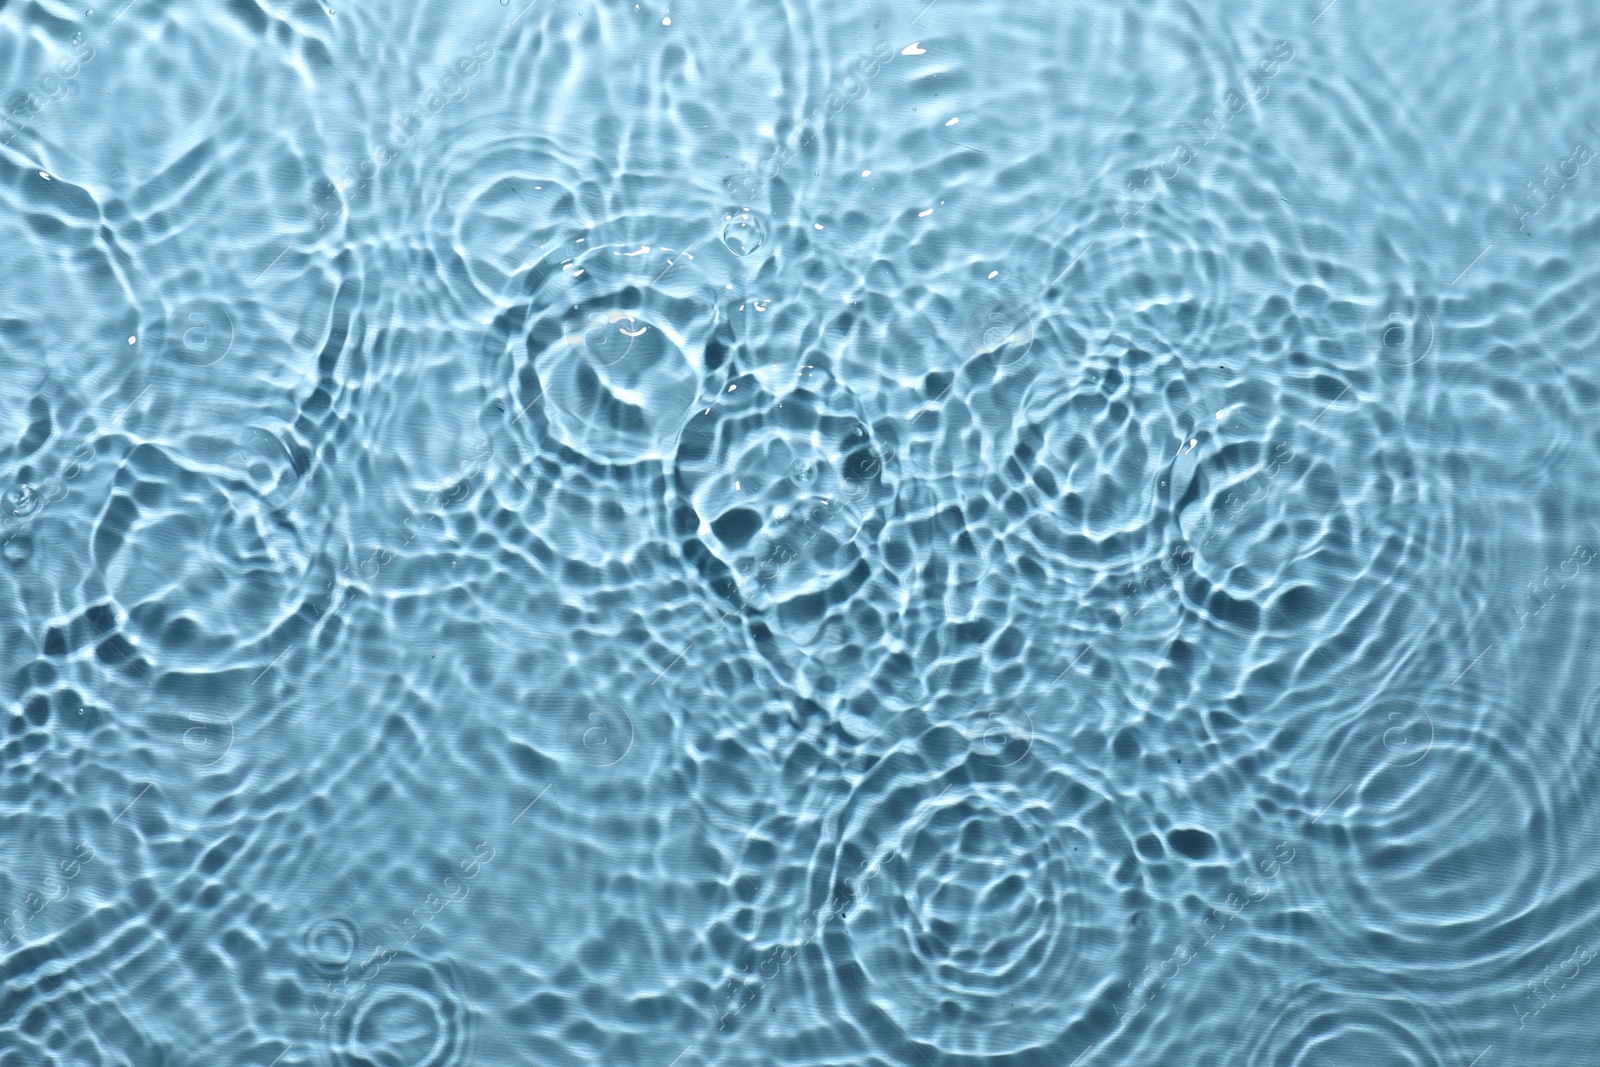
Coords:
pixel 687 536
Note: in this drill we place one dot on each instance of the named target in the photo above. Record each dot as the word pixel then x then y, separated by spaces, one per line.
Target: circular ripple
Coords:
pixel 508 202
pixel 330 943
pixel 1166 282
pixel 976 902
pixel 781 472
pixel 192 575
pixel 1443 840
pixel 608 349
pixel 1097 510
pixel 780 488
pixel 1342 1018
pixel 409 1015
pixel 1220 484
pixel 982 900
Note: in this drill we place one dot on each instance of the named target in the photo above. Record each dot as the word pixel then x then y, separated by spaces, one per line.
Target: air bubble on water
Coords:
pixel 23 500
pixel 744 233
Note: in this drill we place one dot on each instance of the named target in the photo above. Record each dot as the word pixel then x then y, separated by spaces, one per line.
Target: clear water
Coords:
pixel 936 533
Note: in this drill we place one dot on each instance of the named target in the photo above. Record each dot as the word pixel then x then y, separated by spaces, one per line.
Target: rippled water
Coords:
pixel 687 535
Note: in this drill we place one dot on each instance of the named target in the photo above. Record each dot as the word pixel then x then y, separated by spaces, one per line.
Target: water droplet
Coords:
pixel 23 499
pixel 744 233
